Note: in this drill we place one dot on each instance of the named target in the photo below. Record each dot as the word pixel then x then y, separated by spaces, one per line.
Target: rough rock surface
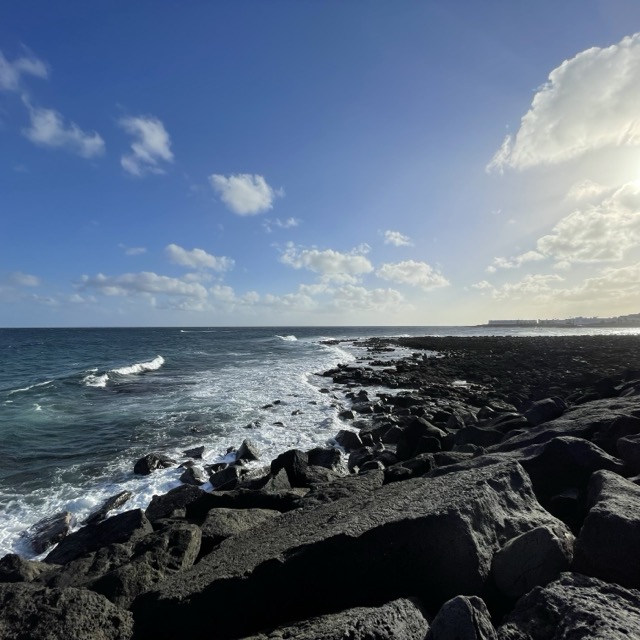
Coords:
pixel 462 618
pixel 575 606
pixel 222 523
pixel 34 612
pixel 409 528
pixel 401 619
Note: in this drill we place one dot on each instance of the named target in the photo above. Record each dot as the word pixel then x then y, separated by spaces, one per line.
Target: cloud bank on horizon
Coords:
pixel 200 192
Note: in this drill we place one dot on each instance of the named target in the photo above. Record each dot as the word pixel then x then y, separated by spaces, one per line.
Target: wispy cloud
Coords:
pixel 145 282
pixel 48 129
pixel 289 223
pixel 151 147
pixel 20 279
pixel 329 264
pixel 133 251
pixel 11 72
pixel 198 259
pixel 245 194
pixel 514 262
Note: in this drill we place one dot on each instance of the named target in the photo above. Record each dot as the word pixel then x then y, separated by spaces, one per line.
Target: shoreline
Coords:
pixel 486 409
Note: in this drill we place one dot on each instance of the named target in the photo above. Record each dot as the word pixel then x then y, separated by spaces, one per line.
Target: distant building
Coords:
pixel 629 320
pixel 513 323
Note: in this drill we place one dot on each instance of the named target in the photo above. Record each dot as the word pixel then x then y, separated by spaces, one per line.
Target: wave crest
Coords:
pixel 140 367
pixel 287 338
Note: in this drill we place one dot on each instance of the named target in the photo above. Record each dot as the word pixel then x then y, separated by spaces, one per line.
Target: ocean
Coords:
pixel 78 407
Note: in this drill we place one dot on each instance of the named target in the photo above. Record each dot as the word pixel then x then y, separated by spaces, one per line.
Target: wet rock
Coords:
pixel 346 415
pixel 328 457
pixel 13 568
pixel 545 410
pixel 608 546
pixel 194 476
pixel 348 440
pixel 112 503
pixel 172 503
pixel 407 527
pixel 248 451
pixel 226 479
pixel 124 527
pixel 34 612
pixel 151 462
pixel 294 462
pixel 532 559
pixel 462 618
pixel 196 452
pixel 49 531
pixel 575 606
pixel 401 619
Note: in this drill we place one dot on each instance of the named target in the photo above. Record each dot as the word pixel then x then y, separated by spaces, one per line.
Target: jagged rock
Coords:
pixel 13 568
pixel 155 557
pixel 575 606
pixel 348 440
pixel 194 476
pixel 358 457
pixel 244 499
pixel 346 415
pixel 151 462
pixel 462 618
pixel 172 503
pixel 481 436
pixel 330 458
pixel 196 452
pixel 34 612
pixel 222 523
pixel 415 429
pixel 248 451
pixel 401 619
pixel 628 448
pixel 431 537
pixel 295 463
pixel 49 531
pixel 344 487
pixel 109 505
pixel 124 527
pixel 608 546
pixel 545 410
pixel 532 559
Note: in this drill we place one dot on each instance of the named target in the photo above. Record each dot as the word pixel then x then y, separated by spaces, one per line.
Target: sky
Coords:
pixel 318 162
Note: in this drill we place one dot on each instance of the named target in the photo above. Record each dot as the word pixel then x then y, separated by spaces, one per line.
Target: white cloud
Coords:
pixel 145 282
pixel 532 287
pixel 417 274
pixel 514 262
pixel 198 259
pixel 350 297
pixel 329 264
pixel 11 72
pixel 602 232
pixel 49 130
pixel 396 238
pixel 482 285
pixel 244 193
pixel 589 102
pixel 151 147
pixel 289 223
pixel 133 251
pixel 586 190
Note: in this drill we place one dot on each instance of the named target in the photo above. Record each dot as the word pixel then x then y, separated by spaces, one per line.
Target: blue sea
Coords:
pixel 78 407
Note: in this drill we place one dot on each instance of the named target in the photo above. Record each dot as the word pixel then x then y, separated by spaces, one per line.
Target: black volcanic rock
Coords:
pixel 151 462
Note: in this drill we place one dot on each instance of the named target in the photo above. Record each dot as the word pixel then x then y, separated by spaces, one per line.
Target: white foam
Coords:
pixel 140 367
pixel 96 381
pixel 290 338
pixel 33 386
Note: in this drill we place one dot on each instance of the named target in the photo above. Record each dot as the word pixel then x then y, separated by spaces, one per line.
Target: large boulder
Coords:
pixel 222 523
pixel 114 502
pixel 49 531
pixel 401 619
pixel 431 538
pixel 575 606
pixel 608 546
pixel 121 528
pixel 151 462
pixel 13 568
pixel 545 410
pixel 173 502
pixel 35 612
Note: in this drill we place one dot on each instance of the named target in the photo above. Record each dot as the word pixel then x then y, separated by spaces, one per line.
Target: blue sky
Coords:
pixel 308 162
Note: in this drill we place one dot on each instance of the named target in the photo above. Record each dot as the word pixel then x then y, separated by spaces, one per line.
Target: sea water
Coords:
pixel 78 407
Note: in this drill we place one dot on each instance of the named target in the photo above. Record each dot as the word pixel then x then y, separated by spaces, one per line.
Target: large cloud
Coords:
pixel 589 102
pixel 515 261
pixel 11 72
pixel 49 130
pixel 151 146
pixel 417 274
pixel 350 298
pixel 198 259
pixel 329 264
pixel 396 238
pixel 244 193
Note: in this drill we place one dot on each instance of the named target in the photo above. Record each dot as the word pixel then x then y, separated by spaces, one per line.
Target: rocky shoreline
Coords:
pixel 483 488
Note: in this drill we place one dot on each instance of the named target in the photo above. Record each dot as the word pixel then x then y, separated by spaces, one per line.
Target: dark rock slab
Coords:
pixel 124 527
pixel 575 606
pixel 35 612
pixel 328 457
pixel 49 531
pixel 545 410
pixel 151 462
pixel 248 451
pixel 109 505
pixel 401 619
pixel 608 546
pixel 223 523
pixel 346 487
pixel 13 568
pixel 295 463
pixel 433 538
pixel 348 440
pixel 462 618
pixel 194 476
pixel 226 479
pixel 173 502
pixel 196 452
